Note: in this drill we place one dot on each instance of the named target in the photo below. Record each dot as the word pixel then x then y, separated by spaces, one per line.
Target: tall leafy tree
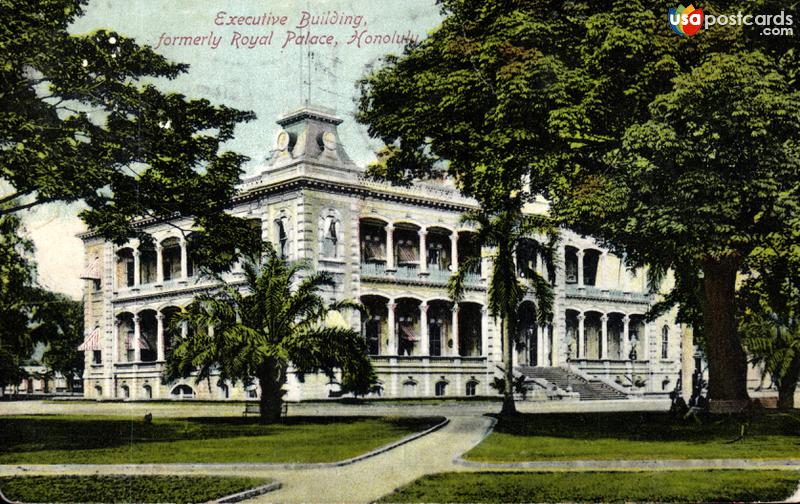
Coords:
pixel 277 319
pixel 82 120
pixel 503 233
pixel 17 290
pixel 58 320
pixel 770 308
pixel 677 152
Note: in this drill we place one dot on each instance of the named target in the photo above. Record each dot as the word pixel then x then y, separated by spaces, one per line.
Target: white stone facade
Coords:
pixel 392 248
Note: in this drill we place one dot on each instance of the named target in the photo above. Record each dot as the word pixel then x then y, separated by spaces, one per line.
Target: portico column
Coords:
pixel 137 334
pixel 644 348
pixel 604 339
pixel 540 350
pixel 184 330
pixel 626 287
pixel 159 265
pixel 424 339
pixel 184 261
pixel 454 329
pixel 551 345
pixel 423 251
pixel 626 344
pixel 580 269
pixel 484 331
pixel 137 271
pixel 484 267
pixel 160 336
pixel 390 248
pixel 115 342
pixel 454 252
pixel 391 348
pixel 581 334
pixel 601 273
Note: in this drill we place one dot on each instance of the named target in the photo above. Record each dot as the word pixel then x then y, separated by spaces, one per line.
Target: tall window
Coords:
pixel 330 237
pixel 440 388
pixel 282 234
pixel 665 342
pixel 471 388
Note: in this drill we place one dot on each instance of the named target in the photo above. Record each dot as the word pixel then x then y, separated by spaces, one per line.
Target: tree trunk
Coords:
pixel 727 362
pixel 509 408
pixel 787 386
pixel 271 380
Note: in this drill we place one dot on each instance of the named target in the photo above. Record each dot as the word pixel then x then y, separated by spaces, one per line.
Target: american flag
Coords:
pixel 92 272
pixel 92 341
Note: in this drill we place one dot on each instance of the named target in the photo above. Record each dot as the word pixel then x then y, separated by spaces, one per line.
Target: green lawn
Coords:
pixel 650 486
pixel 107 440
pixel 118 489
pixel 608 436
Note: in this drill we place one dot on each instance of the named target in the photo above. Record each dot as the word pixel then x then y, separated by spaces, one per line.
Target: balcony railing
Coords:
pixel 596 292
pixel 435 276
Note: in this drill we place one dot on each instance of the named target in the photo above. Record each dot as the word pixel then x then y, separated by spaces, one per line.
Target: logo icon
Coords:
pixel 685 21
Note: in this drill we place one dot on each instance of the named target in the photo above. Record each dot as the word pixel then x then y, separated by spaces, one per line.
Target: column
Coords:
pixel 159 265
pixel 184 260
pixel 550 345
pixel 391 348
pixel 423 251
pixel 454 252
pixel 581 335
pixel 390 249
pixel 604 338
pixel 424 343
pixel 626 344
pixel 160 336
pixel 184 330
pixel 626 287
pixel 484 331
pixel 539 267
pixel 137 334
pixel 115 342
pixel 644 342
pixel 540 350
pixel 454 329
pixel 602 281
pixel 137 272
pixel 580 269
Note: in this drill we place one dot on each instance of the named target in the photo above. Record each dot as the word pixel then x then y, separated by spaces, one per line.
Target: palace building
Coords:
pixel 394 249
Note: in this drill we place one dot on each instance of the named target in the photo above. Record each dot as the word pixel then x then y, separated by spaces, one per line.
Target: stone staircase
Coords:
pixel 588 390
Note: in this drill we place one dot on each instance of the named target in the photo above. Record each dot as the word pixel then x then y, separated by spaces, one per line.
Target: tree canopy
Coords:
pixel 678 152
pixel 82 119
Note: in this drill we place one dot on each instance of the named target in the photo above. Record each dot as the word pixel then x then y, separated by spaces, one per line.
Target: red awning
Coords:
pixel 92 341
pixel 92 272
pixel 143 344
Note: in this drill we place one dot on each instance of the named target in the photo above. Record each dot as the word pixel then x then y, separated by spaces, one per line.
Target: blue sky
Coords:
pixel 267 79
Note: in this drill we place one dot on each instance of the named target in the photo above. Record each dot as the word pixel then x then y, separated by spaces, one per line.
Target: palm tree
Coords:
pixel 775 342
pixel 254 333
pixel 503 232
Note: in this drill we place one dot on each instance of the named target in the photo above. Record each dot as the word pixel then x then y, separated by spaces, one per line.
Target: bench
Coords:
pixel 253 408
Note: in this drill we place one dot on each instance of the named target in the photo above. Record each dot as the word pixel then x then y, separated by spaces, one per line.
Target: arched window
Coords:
pixel 183 392
pixel 282 236
pixel 126 392
pixel 331 235
pixel 441 388
pixel 665 342
pixel 472 387
pixel 98 391
pixel 148 391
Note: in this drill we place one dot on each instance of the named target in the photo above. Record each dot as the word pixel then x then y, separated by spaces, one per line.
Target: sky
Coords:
pixel 269 79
